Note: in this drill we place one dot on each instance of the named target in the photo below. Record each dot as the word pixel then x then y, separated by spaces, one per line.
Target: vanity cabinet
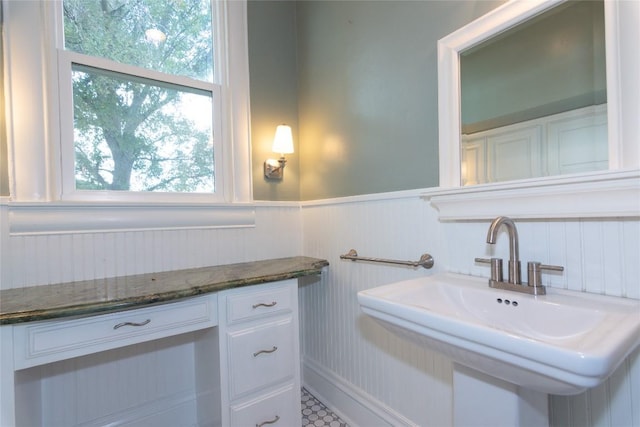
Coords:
pixel 259 355
pixel 227 358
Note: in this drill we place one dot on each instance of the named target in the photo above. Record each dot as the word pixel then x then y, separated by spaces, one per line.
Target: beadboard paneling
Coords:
pixel 29 260
pixel 599 256
pixel 413 381
pixel 152 383
pixel 106 387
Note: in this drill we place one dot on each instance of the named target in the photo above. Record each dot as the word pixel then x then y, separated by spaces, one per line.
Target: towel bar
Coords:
pixel 425 260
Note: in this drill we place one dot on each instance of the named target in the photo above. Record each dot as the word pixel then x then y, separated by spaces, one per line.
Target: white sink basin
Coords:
pixel 560 343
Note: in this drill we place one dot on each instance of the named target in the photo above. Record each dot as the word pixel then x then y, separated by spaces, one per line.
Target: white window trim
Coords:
pixel 33 128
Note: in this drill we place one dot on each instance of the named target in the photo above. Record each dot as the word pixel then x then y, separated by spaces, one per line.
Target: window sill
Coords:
pixel 64 218
pixel 608 194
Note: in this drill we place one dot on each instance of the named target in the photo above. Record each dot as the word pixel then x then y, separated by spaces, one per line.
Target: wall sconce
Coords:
pixel 283 144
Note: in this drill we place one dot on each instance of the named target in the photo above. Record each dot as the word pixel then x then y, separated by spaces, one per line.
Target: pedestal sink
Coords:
pixel 563 342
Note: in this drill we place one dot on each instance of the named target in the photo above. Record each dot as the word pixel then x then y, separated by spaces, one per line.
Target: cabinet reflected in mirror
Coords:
pixel 533 98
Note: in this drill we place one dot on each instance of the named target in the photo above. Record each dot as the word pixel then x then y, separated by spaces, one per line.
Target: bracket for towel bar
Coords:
pixel 425 260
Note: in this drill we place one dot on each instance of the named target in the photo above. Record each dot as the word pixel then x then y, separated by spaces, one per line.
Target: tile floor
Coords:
pixel 315 414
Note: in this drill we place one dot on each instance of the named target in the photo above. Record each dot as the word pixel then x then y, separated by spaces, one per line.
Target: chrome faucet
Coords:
pixel 514 252
pixel 514 283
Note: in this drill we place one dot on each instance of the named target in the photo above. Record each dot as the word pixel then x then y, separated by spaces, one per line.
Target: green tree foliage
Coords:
pixel 131 133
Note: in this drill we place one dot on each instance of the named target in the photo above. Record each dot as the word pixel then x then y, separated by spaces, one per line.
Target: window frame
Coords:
pixel 38 170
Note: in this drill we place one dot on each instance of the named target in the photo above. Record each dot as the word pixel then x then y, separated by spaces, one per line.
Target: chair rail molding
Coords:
pixel 64 217
pixel 607 194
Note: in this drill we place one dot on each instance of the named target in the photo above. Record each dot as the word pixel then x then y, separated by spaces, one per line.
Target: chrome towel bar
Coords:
pixel 425 260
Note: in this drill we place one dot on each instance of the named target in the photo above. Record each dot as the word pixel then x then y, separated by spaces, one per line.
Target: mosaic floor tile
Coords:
pixel 315 414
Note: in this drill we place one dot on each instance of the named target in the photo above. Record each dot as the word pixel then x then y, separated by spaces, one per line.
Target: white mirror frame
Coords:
pixel 615 192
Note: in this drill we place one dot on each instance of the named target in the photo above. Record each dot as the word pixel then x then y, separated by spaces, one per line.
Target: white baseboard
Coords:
pixel 352 404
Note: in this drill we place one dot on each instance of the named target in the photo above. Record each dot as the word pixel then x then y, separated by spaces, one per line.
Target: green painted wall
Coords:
pixel 361 79
pixel 367 93
pixel 274 97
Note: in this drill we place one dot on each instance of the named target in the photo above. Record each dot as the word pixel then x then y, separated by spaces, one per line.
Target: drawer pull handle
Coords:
pixel 120 325
pixel 275 420
pixel 257 353
pixel 262 304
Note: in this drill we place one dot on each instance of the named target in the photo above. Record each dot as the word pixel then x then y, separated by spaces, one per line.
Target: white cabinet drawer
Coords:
pixel 50 341
pixel 268 300
pixel 281 408
pixel 261 356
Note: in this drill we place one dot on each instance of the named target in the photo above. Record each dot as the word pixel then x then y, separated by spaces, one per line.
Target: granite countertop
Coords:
pixel 121 293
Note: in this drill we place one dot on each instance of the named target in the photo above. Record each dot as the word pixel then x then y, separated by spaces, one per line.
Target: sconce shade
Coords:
pixel 283 140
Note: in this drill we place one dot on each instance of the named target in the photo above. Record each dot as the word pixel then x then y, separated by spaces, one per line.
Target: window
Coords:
pixel 141 111
pixel 185 160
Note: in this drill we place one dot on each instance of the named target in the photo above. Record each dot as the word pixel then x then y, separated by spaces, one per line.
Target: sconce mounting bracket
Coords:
pixel 274 169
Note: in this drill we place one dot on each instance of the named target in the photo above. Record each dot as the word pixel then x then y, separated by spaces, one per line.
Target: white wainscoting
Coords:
pixel 43 258
pixel 152 383
pixel 388 379
pixel 413 382
pixel 600 256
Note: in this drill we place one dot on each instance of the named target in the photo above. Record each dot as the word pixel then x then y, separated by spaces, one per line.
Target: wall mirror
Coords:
pixel 508 119
pixel 533 98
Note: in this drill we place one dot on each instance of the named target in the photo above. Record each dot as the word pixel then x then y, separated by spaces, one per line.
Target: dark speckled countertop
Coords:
pixel 121 293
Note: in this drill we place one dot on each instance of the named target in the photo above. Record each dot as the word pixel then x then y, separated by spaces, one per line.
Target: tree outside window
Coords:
pixel 133 132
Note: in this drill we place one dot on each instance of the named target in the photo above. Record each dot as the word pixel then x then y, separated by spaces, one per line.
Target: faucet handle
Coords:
pixel 534 270
pixel 551 267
